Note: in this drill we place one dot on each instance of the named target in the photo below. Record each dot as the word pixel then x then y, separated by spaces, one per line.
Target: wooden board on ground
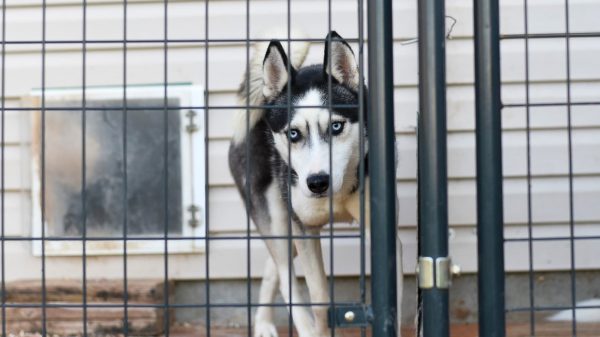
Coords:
pixel 106 316
pixel 138 291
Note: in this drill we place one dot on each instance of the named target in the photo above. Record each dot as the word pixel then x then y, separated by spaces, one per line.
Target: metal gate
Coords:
pixel 494 301
pixel 124 172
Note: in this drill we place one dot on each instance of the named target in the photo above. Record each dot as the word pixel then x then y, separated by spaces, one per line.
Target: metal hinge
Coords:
pixel 193 222
pixel 438 275
pixel 192 126
pixel 350 316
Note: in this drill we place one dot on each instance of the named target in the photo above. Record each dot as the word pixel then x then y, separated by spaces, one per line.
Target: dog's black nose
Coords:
pixel 318 183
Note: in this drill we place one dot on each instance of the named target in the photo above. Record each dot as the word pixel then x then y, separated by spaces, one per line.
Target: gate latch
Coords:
pixel 438 275
pixel 350 316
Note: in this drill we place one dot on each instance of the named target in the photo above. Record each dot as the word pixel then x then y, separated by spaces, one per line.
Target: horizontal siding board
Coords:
pixel 186 63
pixel 551 230
pixel 547 16
pixel 228 17
pixel 550 199
pixel 461 106
pixel 226 21
pixel 550 202
pixel 552 255
pixel 462 245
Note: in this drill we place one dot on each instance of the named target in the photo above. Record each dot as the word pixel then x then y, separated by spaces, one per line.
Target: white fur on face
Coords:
pixel 310 155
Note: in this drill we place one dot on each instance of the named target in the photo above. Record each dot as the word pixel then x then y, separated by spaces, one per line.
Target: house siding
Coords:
pixel 226 62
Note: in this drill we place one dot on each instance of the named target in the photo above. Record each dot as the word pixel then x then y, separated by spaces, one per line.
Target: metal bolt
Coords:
pixel 349 316
pixel 455 270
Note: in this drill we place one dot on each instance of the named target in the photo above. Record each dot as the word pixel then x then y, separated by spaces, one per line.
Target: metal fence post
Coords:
pixel 490 242
pixel 433 205
pixel 382 170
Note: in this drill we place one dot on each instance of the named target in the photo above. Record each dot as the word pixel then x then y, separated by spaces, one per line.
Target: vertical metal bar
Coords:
pixel 382 169
pixel 490 243
pixel 125 179
pixel 43 172
pixel 2 169
pixel 570 152
pixel 248 181
pixel 361 167
pixel 206 172
pixel 289 174
pixel 528 153
pixel 433 181
pixel 330 172
pixel 166 313
pixel 83 168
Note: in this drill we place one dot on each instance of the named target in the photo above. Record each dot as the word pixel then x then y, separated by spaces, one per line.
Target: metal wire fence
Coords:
pixel 538 302
pixel 124 172
pixel 124 169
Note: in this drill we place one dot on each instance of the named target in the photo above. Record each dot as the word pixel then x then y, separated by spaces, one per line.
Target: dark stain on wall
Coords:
pixel 139 192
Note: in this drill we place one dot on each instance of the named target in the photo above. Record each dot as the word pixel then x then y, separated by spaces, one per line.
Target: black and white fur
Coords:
pixel 261 142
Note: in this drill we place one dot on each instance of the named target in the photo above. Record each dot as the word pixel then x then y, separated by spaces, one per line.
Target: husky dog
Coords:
pixel 296 117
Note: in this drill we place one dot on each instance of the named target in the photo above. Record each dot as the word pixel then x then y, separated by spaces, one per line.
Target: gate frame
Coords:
pixel 434 263
pixel 488 135
pixel 382 169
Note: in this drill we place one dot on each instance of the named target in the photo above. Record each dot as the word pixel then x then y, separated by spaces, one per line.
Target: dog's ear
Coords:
pixel 343 64
pixel 275 70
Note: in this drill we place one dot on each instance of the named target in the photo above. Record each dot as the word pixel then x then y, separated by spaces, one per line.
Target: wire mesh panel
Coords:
pixel 129 204
pixel 549 93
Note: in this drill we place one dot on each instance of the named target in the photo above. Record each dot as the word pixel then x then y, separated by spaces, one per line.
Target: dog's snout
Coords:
pixel 318 183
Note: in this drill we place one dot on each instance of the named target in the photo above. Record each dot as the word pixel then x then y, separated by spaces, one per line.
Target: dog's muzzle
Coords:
pixel 318 183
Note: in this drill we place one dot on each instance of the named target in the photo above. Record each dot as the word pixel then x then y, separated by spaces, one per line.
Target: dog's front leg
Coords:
pixel 289 287
pixel 263 321
pixel 311 258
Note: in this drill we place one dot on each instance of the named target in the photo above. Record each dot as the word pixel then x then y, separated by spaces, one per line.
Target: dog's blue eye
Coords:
pixel 337 128
pixel 294 135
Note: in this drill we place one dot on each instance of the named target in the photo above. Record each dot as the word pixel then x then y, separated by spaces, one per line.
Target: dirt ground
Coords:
pixel 457 330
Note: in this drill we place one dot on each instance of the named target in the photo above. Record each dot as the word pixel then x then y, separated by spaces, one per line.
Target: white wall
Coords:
pixel 186 63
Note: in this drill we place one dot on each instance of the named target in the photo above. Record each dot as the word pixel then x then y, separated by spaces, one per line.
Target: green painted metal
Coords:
pixel 490 240
pixel 433 199
pixel 382 169
pixel 350 316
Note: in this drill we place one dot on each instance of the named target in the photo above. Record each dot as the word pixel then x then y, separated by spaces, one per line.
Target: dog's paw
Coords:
pixel 265 329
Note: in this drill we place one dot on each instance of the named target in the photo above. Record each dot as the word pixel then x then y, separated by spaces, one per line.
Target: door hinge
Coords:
pixel 192 126
pixel 438 275
pixel 194 221
pixel 350 316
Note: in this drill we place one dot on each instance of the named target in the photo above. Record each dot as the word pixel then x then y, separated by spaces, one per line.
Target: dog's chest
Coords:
pixel 316 211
